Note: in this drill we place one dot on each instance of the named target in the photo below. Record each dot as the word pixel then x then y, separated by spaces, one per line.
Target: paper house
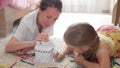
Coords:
pixel 44 52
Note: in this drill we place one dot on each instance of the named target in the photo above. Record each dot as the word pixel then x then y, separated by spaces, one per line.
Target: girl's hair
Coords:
pixel 44 4
pixel 82 34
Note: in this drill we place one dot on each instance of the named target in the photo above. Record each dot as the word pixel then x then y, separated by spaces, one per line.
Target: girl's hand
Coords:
pixel 78 58
pixel 42 37
pixel 66 51
pixel 58 57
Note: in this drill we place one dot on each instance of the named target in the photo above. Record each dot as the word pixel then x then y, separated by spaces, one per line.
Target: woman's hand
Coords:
pixel 42 37
pixel 23 51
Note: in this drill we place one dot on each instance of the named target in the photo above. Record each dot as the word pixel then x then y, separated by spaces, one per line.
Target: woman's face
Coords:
pixel 48 17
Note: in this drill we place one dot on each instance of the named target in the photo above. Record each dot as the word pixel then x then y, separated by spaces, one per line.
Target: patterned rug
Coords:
pixel 9 58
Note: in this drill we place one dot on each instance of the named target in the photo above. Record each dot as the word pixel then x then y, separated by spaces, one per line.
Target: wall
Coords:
pixel 2 23
pixel 7 16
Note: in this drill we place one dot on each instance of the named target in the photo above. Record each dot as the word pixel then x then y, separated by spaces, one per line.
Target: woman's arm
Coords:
pixel 14 45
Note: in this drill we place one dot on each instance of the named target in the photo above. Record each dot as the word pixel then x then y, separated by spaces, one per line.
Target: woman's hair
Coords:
pixel 82 34
pixel 44 4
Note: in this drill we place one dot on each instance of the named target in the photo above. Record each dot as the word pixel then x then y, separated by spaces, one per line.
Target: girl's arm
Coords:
pixel 66 51
pixel 103 60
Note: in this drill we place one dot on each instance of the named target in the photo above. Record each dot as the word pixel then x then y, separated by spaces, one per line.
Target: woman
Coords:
pixel 36 26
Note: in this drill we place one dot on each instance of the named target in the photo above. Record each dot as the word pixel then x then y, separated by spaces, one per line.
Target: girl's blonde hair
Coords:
pixel 82 34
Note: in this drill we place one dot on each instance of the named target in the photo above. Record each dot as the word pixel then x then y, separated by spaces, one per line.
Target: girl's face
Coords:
pixel 79 50
pixel 48 17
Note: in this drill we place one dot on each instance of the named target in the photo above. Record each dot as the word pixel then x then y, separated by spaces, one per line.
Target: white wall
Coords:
pixel 66 19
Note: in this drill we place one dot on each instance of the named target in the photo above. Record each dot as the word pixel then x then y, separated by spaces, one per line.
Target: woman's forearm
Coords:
pixel 13 46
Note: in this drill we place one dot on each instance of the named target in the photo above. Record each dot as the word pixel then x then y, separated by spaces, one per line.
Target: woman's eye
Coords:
pixel 48 17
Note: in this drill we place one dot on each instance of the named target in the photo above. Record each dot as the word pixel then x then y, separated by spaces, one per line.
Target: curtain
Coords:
pixel 112 4
pixel 86 6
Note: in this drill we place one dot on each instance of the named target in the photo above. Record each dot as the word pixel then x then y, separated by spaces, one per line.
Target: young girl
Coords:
pixel 92 49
